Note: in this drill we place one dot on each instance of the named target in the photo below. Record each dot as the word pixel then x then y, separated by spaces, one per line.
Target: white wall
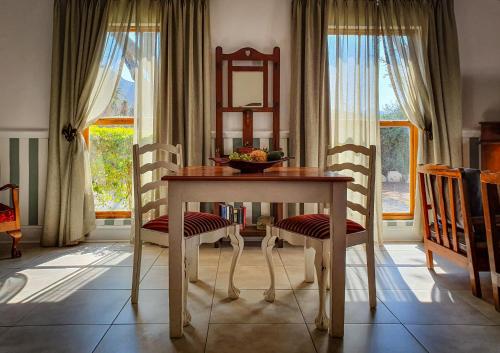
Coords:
pixel 478 24
pixel 262 25
pixel 25 60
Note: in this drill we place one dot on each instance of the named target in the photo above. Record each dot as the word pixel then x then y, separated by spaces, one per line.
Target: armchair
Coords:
pixel 10 222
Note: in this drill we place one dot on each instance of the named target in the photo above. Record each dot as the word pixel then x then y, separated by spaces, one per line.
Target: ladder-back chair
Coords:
pixel 313 230
pixel 151 215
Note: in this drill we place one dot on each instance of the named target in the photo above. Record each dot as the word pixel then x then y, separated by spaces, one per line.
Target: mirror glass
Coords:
pixel 248 88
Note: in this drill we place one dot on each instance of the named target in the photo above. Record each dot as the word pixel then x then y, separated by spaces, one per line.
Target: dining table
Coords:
pixel 274 185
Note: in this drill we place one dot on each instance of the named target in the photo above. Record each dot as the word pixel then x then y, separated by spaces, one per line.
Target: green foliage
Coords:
pixel 395 142
pixel 111 166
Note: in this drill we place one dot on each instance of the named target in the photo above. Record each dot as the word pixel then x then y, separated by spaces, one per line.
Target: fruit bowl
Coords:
pixel 247 167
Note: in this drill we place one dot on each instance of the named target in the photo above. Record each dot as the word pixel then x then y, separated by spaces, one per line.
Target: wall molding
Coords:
pixel 468 133
pixel 24 133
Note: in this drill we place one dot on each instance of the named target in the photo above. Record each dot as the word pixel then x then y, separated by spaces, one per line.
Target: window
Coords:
pixel 398 137
pixel 109 141
pixel 398 142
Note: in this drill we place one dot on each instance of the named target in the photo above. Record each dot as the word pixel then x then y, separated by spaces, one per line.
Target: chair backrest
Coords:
pixel 361 198
pixel 156 159
pixel 449 206
pixel 490 189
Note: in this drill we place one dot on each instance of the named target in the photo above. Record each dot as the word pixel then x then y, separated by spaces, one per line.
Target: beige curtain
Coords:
pixel 79 33
pixel 353 58
pixel 184 85
pixel 309 95
pixel 421 47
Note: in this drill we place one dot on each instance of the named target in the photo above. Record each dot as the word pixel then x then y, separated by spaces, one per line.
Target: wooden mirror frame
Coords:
pixel 246 54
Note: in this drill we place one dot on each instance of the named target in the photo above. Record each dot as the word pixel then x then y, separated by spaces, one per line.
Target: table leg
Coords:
pixel 176 260
pixel 338 213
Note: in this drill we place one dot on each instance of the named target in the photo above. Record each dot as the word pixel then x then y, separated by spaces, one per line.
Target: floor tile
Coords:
pixel 157 277
pixel 153 307
pixel 253 277
pixel 364 338
pixel 353 278
pixel 250 257
pixel 152 338
pixel 77 307
pixel 276 338
pixel 251 307
pixel 458 338
pixel 22 284
pixel 485 307
pixel 52 339
pixel 435 306
pixel 357 309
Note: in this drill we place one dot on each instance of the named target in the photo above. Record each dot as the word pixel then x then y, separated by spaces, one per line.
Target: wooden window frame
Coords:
pixel 413 168
pixel 106 121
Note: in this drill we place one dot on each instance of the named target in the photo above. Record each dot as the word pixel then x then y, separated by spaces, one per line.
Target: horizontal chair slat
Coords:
pixel 152 186
pixel 349 147
pixel 357 207
pixel 154 204
pixel 158 146
pixel 159 164
pixel 349 166
pixel 358 188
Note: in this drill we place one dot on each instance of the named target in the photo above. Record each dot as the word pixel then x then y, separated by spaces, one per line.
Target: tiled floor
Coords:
pixel 77 300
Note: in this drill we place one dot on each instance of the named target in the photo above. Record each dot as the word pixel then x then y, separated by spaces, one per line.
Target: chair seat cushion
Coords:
pixel 194 223
pixel 314 225
pixel 7 214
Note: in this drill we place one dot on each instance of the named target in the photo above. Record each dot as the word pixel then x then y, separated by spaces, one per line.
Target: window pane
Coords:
pixel 110 149
pixel 395 144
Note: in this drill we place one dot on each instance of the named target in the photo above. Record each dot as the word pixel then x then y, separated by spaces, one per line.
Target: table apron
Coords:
pixel 253 191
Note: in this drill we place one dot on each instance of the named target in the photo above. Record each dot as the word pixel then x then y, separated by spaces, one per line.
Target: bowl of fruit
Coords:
pixel 252 160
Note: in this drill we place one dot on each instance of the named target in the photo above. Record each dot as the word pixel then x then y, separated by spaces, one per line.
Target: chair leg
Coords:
pixel 321 265
pixel 136 273
pixel 370 269
pixel 187 315
pixel 237 243
pixel 308 261
pixel 267 249
pixel 474 280
pixel 429 258
pixel 16 238
pixel 192 258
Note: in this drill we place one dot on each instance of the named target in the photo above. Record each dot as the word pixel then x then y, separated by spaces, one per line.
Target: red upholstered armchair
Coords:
pixel 10 222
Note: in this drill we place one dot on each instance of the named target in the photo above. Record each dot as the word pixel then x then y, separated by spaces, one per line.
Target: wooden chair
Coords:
pixel 313 230
pixel 10 221
pixel 490 188
pixel 451 230
pixel 199 227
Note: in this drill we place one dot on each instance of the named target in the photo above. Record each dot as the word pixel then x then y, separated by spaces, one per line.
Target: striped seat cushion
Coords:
pixel 7 214
pixel 314 225
pixel 194 223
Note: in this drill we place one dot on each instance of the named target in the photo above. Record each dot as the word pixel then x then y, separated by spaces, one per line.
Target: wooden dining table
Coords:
pixel 277 185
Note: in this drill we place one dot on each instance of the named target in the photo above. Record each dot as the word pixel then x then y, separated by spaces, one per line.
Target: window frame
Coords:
pixel 107 121
pixel 413 168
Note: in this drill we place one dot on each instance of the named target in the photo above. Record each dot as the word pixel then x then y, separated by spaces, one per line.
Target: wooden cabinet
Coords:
pixel 490 146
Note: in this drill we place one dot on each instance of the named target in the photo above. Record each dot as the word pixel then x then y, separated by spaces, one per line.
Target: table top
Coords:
pixel 218 173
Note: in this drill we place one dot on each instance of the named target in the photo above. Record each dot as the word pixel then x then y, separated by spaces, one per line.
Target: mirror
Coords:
pixel 248 89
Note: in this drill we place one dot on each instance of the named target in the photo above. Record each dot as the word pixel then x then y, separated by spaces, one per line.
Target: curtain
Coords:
pixel 309 95
pixel 353 59
pixel 165 45
pixel 421 49
pixel 79 32
pixel 184 111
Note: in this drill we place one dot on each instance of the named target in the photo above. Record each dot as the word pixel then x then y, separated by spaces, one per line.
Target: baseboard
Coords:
pixel 109 233
pixel 31 234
